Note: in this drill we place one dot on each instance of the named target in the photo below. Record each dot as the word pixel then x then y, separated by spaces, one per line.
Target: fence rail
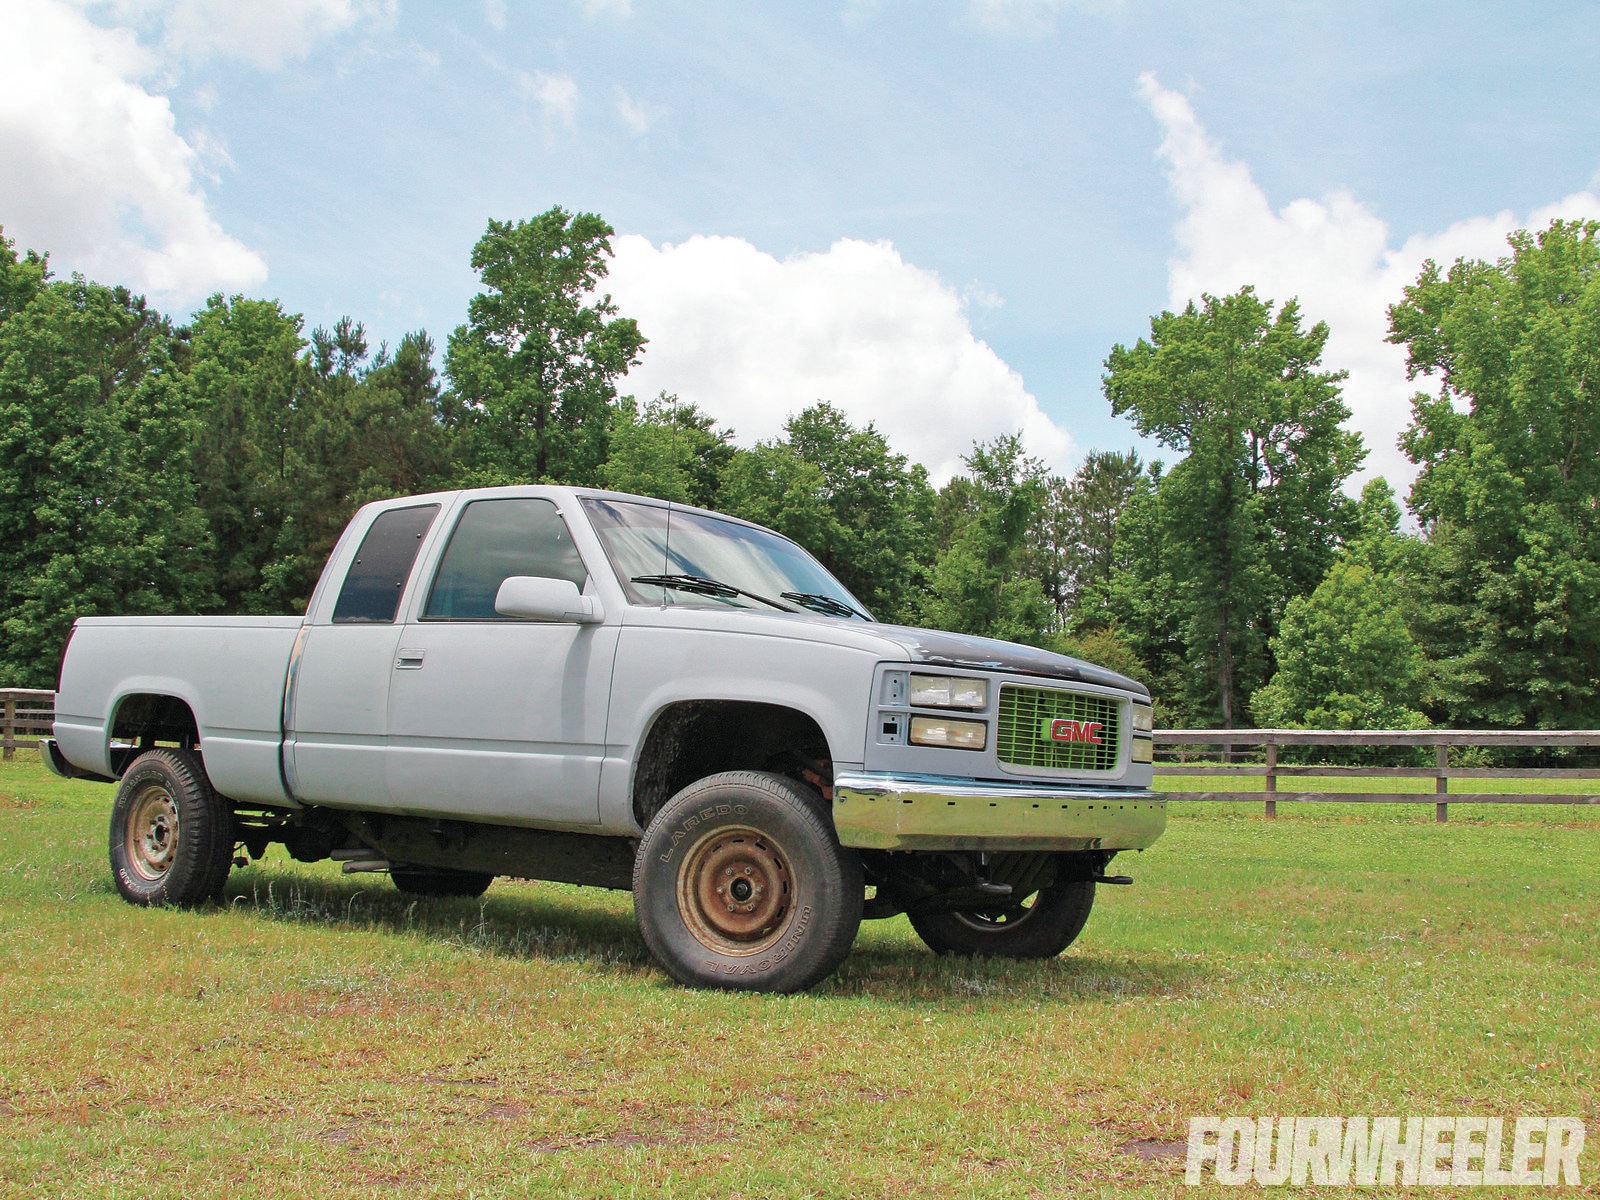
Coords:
pixel 27 714
pixel 1441 772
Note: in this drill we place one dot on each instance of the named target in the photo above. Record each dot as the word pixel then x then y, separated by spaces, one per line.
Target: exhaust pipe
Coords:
pixel 359 859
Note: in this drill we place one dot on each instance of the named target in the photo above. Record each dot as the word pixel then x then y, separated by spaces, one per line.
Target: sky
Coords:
pixel 938 216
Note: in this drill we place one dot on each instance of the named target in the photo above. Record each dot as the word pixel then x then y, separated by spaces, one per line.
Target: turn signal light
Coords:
pixel 952 735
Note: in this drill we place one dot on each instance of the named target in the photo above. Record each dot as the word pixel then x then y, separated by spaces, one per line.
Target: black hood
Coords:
pixel 937 648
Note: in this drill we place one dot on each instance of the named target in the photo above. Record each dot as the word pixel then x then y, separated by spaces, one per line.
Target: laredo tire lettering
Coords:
pixel 823 885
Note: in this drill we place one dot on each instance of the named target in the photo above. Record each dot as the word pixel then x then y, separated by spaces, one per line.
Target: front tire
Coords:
pixel 171 834
pixel 1042 929
pixel 740 882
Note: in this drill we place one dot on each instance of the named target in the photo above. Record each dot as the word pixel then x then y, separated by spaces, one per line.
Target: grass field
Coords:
pixel 322 1036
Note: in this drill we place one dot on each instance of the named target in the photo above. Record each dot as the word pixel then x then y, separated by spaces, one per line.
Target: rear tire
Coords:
pixel 740 882
pixel 1040 930
pixel 171 834
pixel 440 881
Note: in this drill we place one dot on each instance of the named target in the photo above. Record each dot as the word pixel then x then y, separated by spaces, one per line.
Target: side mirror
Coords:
pixel 546 600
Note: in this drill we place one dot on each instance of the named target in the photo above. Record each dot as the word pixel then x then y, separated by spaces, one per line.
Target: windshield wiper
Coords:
pixel 700 585
pixel 827 605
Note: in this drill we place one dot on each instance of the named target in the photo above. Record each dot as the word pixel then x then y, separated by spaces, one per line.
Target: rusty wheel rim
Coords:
pixel 735 890
pixel 152 839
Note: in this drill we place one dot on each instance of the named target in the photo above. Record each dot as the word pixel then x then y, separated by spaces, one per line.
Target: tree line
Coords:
pixel 148 466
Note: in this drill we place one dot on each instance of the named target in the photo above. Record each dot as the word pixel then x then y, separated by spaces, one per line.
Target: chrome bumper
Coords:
pixel 57 764
pixel 874 811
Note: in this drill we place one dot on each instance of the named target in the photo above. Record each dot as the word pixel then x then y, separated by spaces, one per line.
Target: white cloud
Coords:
pixel 556 94
pixel 752 340
pixel 637 116
pixel 980 295
pixel 92 167
pixel 494 12
pixel 263 34
pixel 1334 254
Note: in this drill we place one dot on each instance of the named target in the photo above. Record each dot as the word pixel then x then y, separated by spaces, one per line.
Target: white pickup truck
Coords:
pixel 580 686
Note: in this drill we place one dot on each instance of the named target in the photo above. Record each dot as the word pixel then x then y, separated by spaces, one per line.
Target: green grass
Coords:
pixel 322 1036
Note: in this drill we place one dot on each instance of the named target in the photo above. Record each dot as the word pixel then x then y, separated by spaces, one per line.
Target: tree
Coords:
pixel 1346 658
pixel 1251 516
pixel 667 449
pixel 246 379
pixel 864 511
pixel 97 507
pixel 368 430
pixel 1069 548
pixel 1508 492
pixel 980 583
pixel 295 438
pixel 1138 598
pixel 20 278
pixel 533 372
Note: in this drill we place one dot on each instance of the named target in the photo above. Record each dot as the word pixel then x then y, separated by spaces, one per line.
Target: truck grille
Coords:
pixel 1021 739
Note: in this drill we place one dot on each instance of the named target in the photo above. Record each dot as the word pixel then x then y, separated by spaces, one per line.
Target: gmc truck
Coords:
pixel 593 688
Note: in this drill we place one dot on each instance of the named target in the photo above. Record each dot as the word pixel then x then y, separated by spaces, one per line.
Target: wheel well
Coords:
pixel 144 720
pixel 695 738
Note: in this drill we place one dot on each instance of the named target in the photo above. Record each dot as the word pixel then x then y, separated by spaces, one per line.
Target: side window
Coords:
pixel 494 540
pixel 372 586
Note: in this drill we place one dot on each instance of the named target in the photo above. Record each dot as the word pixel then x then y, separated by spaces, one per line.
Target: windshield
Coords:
pixel 700 550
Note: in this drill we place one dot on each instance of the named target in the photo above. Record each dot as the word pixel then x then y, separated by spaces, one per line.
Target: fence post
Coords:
pixel 9 734
pixel 1272 779
pixel 1441 784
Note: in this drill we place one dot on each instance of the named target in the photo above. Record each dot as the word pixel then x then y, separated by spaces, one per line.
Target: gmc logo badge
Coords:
pixel 1063 730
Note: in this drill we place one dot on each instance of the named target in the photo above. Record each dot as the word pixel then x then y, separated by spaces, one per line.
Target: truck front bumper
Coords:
pixel 881 811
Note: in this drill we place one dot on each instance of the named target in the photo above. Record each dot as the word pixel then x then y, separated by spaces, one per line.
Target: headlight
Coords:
pixel 1144 718
pixel 953 735
pixel 944 691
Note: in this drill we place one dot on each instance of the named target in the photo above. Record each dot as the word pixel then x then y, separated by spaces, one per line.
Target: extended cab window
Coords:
pixel 372 586
pixel 494 540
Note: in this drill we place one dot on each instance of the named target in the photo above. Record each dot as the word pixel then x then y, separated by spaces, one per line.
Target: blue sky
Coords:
pixel 960 206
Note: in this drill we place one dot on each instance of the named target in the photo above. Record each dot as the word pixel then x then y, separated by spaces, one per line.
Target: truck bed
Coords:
pixel 229 670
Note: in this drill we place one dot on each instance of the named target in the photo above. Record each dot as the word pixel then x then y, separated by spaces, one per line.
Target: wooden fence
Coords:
pixel 1269 769
pixel 28 713
pixel 27 716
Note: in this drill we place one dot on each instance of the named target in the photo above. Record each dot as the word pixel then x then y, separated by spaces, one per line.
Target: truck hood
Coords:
pixel 937 648
pixel 931 646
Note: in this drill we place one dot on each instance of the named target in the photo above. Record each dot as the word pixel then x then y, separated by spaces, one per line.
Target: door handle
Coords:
pixel 409 660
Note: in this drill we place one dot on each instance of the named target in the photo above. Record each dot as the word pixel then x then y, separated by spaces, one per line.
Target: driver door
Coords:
pixel 491 717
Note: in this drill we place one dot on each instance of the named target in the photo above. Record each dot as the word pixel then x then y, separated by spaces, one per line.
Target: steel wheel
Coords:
pixel 734 891
pixel 1041 926
pixel 171 834
pixel 152 839
pixel 740 882
pixel 997 920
